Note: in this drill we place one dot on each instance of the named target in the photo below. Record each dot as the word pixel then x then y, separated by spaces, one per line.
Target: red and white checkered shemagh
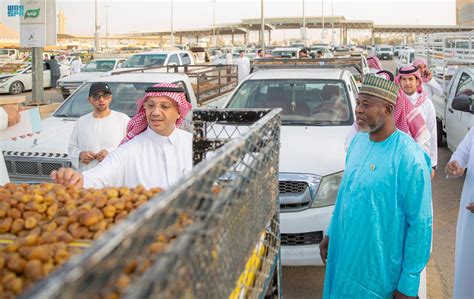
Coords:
pixel 407 116
pixel 138 123
pixel 374 63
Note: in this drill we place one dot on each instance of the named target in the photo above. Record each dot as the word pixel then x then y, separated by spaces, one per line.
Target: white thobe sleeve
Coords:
pixel 108 173
pixel 73 148
pixel 464 149
pixel 435 87
pixel 431 124
pixel 3 119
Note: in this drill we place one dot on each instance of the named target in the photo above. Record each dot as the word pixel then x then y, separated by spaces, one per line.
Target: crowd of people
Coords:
pixel 380 235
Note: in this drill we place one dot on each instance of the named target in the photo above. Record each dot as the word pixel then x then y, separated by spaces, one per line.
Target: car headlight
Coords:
pixel 327 190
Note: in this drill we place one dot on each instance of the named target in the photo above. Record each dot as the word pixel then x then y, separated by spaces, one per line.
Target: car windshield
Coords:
pixel 99 66
pixel 124 98
pixel 143 60
pixel 284 53
pixel 385 49
pixel 304 102
pixel 3 52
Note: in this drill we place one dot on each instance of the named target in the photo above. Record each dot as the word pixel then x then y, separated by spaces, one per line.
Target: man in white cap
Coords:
pixel 154 153
pixel 98 133
pixel 379 238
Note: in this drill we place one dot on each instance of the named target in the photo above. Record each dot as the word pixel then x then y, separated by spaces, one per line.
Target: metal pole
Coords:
pixel 97 45
pixel 332 23
pixel 262 28
pixel 322 12
pixel 37 74
pixel 304 26
pixel 172 33
pixel 107 27
pixel 214 22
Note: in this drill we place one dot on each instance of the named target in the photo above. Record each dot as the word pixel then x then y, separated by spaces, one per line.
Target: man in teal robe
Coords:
pixel 379 238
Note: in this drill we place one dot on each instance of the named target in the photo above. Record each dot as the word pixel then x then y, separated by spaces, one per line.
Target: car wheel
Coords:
pixel 16 87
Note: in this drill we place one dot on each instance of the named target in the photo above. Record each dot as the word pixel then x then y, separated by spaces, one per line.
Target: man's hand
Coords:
pixel 86 157
pixel 101 155
pixel 453 169
pixel 398 295
pixel 428 74
pixel 323 248
pixel 13 114
pixel 68 177
pixel 470 207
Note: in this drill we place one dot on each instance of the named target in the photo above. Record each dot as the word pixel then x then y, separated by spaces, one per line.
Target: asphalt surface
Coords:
pixel 307 282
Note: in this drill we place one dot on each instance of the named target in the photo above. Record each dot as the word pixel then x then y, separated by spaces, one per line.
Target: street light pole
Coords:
pixel 332 23
pixel 107 28
pixel 322 12
pixel 262 28
pixel 97 27
pixel 214 22
pixel 172 33
pixel 304 27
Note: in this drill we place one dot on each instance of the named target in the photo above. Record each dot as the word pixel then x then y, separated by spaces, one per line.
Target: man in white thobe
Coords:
pixel 229 59
pixel 430 86
pixel 76 66
pixel 97 133
pixel 463 158
pixel 243 67
pixel 410 82
pixel 9 116
pixel 154 153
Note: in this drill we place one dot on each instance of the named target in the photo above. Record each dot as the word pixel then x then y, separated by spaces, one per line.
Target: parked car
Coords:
pixel 385 53
pixel 317 109
pixel 325 50
pixel 95 68
pixel 286 52
pixel 406 57
pixel 454 111
pixel 342 52
pixel 157 59
pixel 396 49
pixel 22 80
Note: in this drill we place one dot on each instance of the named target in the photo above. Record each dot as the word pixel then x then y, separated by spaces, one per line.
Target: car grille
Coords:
pixel 310 238
pixel 292 186
pixel 32 166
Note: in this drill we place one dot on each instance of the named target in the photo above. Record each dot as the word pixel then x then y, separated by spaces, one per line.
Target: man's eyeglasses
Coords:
pixel 97 97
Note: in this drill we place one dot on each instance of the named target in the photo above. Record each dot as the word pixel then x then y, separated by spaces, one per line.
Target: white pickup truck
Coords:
pixel 95 68
pixel 31 160
pixel 455 110
pixel 318 111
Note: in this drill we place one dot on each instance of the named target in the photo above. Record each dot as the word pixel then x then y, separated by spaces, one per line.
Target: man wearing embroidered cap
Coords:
pixel 379 237
pixel 154 153
pixel 411 83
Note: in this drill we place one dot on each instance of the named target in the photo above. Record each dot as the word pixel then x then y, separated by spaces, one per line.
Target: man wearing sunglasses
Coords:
pixel 98 133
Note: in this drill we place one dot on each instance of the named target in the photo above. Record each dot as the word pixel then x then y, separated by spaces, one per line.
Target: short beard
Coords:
pixel 376 126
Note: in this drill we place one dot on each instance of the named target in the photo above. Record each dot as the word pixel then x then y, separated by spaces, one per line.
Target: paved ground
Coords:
pixel 307 282
pixel 51 95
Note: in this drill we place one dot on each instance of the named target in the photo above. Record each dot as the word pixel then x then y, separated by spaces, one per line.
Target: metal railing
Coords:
pixel 216 233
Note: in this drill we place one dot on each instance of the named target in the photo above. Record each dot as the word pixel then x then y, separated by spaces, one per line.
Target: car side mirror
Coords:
pixel 464 103
pixel 119 65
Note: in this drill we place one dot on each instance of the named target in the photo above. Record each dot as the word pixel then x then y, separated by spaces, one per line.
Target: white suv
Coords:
pixel 157 59
pixel 318 112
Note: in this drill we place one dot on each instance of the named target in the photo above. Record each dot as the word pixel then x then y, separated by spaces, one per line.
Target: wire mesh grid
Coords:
pixel 193 240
